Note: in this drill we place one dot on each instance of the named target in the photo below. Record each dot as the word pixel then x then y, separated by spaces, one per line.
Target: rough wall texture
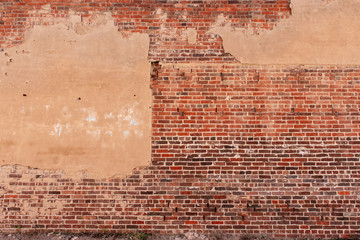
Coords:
pixel 270 149
pixel 316 33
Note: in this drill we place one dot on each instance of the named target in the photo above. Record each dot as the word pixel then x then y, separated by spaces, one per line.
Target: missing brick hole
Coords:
pixel 154 72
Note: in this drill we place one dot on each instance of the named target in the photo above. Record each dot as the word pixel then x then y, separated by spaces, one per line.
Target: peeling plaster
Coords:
pixel 191 35
pixel 63 88
pixel 318 32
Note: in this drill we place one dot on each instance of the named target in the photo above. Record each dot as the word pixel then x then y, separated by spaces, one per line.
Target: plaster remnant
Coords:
pixel 90 23
pixel 192 35
pixel 50 128
pixel 44 9
pixel 318 32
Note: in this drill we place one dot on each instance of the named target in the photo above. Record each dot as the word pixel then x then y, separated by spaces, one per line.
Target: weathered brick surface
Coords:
pixel 270 150
pixel 273 149
pixel 235 148
pixel 164 21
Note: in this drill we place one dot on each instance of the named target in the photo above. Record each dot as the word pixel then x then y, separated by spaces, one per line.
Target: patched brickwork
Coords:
pixel 165 21
pixel 236 148
pixel 239 149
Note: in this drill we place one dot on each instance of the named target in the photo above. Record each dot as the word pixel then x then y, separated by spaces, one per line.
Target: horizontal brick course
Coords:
pixel 239 175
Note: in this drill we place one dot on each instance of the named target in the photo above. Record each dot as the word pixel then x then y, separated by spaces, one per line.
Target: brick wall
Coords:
pixel 260 149
pixel 164 21
pixel 236 148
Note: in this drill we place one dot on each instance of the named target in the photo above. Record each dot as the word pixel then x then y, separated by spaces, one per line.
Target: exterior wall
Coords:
pixel 241 141
pixel 73 98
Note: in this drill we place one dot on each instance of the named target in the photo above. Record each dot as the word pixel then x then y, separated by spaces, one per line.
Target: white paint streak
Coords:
pixel 109 116
pixel 91 118
pixel 57 130
pixel 134 122
pixel 109 133
pixel 94 133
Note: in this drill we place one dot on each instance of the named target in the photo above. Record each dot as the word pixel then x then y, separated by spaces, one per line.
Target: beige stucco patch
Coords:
pixel 78 99
pixel 318 32
pixel 191 35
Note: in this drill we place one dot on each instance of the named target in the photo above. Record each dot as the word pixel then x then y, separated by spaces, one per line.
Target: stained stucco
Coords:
pixel 76 97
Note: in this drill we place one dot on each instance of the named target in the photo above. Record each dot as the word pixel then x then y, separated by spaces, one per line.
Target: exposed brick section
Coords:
pixel 238 149
pixel 164 21
pixel 272 149
pixel 235 148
